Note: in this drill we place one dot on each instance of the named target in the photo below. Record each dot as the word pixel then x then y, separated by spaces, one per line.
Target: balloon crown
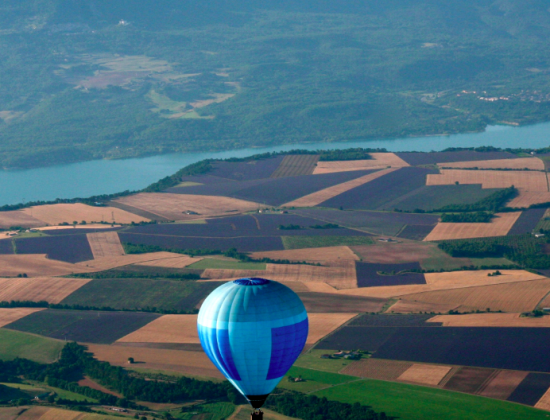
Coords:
pixel 253 281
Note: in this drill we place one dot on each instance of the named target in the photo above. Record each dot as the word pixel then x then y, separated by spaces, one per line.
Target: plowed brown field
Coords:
pixel 510 297
pixel 9 315
pixel 294 165
pixel 386 370
pixel 425 374
pixel 186 362
pixel 394 253
pixel 174 206
pixel 503 384
pixel 532 163
pixel 18 218
pixel 490 320
pixel 55 214
pixel 544 402
pixel 177 262
pixel 528 180
pixel 528 198
pixel 105 244
pixel 180 329
pixel 315 255
pixel 446 281
pixel 499 226
pixel 403 306
pixel 123 260
pixel 50 289
pixel 36 265
pixel 342 276
pixel 378 161
pixel 318 197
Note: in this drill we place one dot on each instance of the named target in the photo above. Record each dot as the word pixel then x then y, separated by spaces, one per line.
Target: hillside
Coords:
pixel 99 79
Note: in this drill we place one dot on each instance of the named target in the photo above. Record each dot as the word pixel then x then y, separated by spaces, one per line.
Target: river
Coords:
pixel 85 179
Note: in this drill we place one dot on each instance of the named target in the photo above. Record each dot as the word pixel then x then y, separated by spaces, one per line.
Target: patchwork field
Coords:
pixel 174 206
pixel 294 165
pixel 373 275
pixel 322 324
pixel 531 389
pixel 166 329
pixel 425 374
pixel 105 244
pixel 528 198
pixel 318 301
pixel 386 370
pixel 341 275
pixel 54 214
pixel 490 320
pixel 314 255
pixel 39 349
pixel 7 316
pixel 470 379
pixel 177 262
pixel 434 158
pixel 36 265
pixel 124 260
pixel 68 248
pixel 529 181
pixel 499 226
pixel 503 384
pixel 18 218
pixel 509 297
pixel 319 197
pixel 50 289
pixel 532 163
pixel 378 161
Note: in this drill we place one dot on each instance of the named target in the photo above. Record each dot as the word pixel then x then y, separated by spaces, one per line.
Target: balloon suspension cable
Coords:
pixel 257 415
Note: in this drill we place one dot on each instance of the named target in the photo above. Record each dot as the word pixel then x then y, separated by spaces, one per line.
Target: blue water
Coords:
pixel 85 179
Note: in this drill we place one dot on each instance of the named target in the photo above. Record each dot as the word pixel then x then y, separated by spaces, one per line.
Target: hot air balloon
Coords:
pixel 253 330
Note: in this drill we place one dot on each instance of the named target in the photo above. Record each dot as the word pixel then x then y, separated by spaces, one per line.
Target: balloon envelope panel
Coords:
pixel 253 330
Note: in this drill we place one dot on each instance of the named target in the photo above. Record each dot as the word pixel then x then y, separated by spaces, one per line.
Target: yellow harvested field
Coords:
pixel 18 218
pixel 33 413
pixel 174 206
pixel 178 262
pixel 425 374
pixel 96 226
pixel 527 180
pixel 544 402
pixel 509 297
pixel 403 306
pixel 319 287
pixel 36 265
pixel 123 260
pixel 105 244
pixel 54 214
pixel 57 414
pixel 528 198
pixel 532 163
pixel 321 324
pixel 341 276
pixel 491 320
pixel 499 226
pixel 9 315
pixel 180 329
pixel 314 255
pixel 446 281
pixel 318 197
pixel 50 289
pixel 378 161
pixel 186 362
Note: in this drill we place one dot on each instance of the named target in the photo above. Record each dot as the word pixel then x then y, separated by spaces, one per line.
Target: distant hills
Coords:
pixel 97 79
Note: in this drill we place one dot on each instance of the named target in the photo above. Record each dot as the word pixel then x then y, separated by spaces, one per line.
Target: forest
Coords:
pixel 92 80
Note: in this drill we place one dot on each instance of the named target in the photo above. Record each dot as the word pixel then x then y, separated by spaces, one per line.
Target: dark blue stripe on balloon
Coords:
pixel 216 345
pixel 286 345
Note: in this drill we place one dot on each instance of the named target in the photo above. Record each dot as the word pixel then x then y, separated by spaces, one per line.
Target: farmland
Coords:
pixel 435 158
pixel 295 165
pixel 35 265
pixel 50 289
pixel 534 164
pixel 372 275
pixel 530 180
pixel 105 244
pixel 180 329
pixel 378 161
pixel 67 248
pixel 39 349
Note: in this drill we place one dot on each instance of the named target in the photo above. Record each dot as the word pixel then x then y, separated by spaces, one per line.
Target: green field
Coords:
pixel 314 380
pixel 299 242
pixel 130 293
pixel 37 388
pixel 27 346
pixel 232 265
pixel 312 360
pixel 409 402
pixel 212 411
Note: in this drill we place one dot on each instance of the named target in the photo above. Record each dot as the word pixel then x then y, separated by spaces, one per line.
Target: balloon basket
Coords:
pixel 257 415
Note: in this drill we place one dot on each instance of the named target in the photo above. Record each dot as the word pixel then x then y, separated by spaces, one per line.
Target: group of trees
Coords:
pixel 477 217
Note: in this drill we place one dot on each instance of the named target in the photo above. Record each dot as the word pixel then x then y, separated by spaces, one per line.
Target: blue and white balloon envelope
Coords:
pixel 253 330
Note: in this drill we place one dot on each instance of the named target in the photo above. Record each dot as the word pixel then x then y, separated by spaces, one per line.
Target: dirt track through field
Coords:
pixel 50 289
pixel 340 276
pixel 378 161
pixel 532 163
pixel 105 244
pixel 425 374
pixel 9 315
pixel 527 180
pixel 319 197
pixel 174 206
pixel 314 255
pixel 294 165
pixel 499 226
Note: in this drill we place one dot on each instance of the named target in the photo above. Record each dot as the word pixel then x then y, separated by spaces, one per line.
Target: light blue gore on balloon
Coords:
pixel 253 330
